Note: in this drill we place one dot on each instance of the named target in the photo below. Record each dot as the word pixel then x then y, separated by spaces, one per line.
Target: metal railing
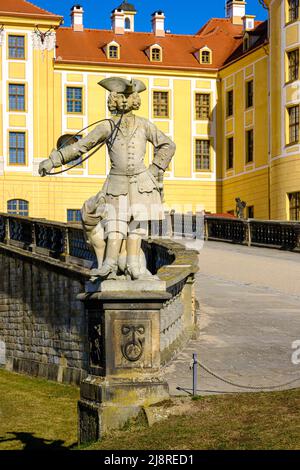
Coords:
pixel 61 240
pixel 251 232
pixel 53 239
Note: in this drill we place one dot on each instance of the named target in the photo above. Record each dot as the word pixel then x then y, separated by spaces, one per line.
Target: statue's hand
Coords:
pixel 45 167
pixel 54 160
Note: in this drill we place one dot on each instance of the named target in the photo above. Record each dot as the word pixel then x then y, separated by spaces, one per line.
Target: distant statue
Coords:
pixel 116 219
pixel 240 208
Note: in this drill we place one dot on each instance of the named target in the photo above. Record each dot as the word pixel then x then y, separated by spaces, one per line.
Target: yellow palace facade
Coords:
pixel 226 95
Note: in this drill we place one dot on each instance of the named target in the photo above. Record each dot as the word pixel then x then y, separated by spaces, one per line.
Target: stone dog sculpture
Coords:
pixel 116 219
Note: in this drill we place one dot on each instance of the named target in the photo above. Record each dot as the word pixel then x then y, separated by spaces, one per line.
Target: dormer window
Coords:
pixel 246 42
pixel 154 53
pixel 113 50
pixel 205 56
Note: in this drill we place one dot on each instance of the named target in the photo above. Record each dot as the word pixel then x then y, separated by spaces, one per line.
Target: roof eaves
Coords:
pixel 126 64
pixel 31 15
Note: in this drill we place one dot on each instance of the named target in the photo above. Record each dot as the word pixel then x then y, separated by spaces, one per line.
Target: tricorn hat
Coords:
pixel 121 85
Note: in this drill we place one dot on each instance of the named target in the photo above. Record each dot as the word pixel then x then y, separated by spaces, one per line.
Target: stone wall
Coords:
pixel 43 327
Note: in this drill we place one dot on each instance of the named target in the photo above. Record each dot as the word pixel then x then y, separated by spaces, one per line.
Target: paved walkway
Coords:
pixel 249 317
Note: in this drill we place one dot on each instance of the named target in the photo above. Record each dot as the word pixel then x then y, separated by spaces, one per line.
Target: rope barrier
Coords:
pixel 248 387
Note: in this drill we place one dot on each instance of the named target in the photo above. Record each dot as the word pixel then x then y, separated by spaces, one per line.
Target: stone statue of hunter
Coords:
pixel 116 219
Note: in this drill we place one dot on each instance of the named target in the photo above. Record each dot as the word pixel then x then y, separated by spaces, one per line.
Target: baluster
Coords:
pixel 66 242
pixel 2 229
pixel 33 237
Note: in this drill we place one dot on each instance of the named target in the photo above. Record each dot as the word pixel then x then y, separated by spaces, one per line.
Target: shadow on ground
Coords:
pixel 30 442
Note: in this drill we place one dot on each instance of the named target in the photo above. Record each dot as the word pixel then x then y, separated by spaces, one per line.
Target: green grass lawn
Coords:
pixel 36 414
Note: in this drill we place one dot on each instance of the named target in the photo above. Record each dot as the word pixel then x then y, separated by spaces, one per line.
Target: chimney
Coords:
pixel 77 18
pixel 118 21
pixel 248 22
pixel 235 10
pixel 158 23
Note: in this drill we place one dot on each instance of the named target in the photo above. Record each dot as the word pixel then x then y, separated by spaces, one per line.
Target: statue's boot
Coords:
pixel 110 265
pixel 133 256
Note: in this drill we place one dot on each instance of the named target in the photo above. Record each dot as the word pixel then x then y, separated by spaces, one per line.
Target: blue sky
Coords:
pixel 182 16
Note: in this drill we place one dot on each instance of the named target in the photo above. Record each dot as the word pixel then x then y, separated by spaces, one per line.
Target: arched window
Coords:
pixel 127 23
pixel 156 54
pixel 18 207
pixel 113 52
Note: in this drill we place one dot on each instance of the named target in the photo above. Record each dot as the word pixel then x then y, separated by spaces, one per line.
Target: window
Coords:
pixel 293 6
pixel 74 99
pixel 250 212
pixel 16 97
pixel 249 146
pixel 229 106
pixel 17 148
pixel 202 156
pixel 230 153
pixel 127 23
pixel 293 124
pixel 113 52
pixel 293 62
pixel 294 200
pixel 249 94
pixel 73 215
pixel 202 105
pixel 246 43
pixel 16 47
pixel 18 207
pixel 205 57
pixel 161 104
pixel 155 54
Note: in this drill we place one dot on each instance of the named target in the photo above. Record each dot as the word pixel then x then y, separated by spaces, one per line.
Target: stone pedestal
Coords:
pixel 124 337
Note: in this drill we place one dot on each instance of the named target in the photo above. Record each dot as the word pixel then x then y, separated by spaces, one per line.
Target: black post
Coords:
pixel 195 365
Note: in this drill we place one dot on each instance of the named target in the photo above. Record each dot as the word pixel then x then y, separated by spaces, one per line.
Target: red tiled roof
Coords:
pixel 258 36
pixel 220 35
pixel 24 8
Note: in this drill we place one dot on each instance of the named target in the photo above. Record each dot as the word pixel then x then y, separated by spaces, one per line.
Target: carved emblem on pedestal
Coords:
pixel 134 339
pixel 132 343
